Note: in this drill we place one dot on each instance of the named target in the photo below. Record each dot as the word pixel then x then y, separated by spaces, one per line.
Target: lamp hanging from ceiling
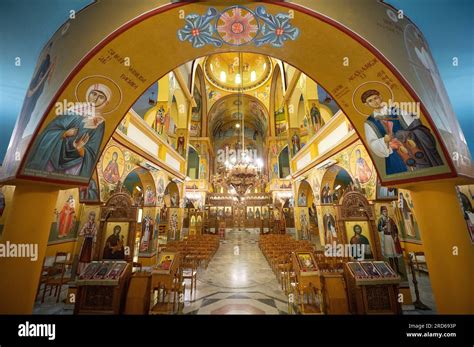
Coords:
pixel 245 172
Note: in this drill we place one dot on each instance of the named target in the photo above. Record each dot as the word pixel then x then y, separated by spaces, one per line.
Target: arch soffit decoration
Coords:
pixel 306 187
pixel 282 149
pixel 330 175
pixel 309 23
pixel 198 78
pixel 212 119
pixel 272 106
pixel 145 176
pixel 172 187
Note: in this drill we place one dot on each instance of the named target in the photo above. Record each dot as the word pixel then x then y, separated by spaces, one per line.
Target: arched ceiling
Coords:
pixel 91 51
pixel 229 110
pixel 236 71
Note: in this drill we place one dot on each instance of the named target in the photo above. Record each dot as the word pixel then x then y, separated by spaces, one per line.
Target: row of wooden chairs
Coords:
pixel 167 297
pixel 195 251
pixel 304 298
pixel 277 249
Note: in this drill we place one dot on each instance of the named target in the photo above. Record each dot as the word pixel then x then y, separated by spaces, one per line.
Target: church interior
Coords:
pixel 231 162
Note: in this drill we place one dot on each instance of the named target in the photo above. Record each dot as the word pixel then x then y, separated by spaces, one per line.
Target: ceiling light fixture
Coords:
pixel 253 76
pixel 223 76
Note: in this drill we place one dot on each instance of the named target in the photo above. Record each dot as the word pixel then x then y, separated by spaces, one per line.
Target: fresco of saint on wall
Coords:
pixel 69 145
pixel 393 133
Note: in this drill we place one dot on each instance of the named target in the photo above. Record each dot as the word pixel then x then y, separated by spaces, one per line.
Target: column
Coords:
pixel 29 222
pixel 447 245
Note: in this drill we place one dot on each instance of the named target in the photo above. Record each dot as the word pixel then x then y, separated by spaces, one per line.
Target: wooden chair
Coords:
pixel 189 271
pixel 55 279
pixel 160 301
pixel 285 269
pixel 310 300
pixel 60 257
pixel 47 263
pixel 178 290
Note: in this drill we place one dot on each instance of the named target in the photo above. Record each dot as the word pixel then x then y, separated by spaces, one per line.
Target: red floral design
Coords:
pixel 237 26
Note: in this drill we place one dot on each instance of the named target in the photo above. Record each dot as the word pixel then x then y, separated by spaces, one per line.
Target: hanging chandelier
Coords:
pixel 240 177
pixel 244 172
pixel 243 176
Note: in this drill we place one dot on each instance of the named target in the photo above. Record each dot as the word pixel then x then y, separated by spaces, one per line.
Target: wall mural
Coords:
pixel 202 150
pixel 147 245
pixel 295 142
pixel 417 141
pixel 159 119
pixel 281 125
pixel 405 212
pixel 180 144
pixel 113 164
pixel 123 126
pixel 254 71
pixel 90 194
pixel 127 162
pixel 35 102
pixel 196 115
pixel 398 138
pixel 435 97
pixel 327 218
pixel 160 177
pixel 237 26
pixel 65 217
pixel 360 165
pixel 356 161
pixel 6 198
pixel 466 201
pixel 69 145
pixel 88 226
pixel 391 231
pixel 316 119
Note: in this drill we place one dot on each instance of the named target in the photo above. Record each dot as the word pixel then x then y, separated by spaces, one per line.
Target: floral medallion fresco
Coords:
pixel 237 26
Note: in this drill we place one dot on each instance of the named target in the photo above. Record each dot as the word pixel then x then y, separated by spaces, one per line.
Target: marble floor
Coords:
pixel 238 280
pixel 426 294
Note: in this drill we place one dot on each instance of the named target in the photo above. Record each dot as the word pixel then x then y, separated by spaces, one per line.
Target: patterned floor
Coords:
pixel 238 280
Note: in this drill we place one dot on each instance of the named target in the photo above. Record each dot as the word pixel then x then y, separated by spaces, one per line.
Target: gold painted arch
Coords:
pixel 225 111
pixel 130 36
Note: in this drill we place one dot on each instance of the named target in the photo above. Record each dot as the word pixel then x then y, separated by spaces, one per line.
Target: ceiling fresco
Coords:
pixel 237 71
pixel 229 111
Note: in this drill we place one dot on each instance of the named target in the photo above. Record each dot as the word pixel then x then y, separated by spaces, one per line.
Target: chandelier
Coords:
pixel 240 177
pixel 244 172
pixel 243 176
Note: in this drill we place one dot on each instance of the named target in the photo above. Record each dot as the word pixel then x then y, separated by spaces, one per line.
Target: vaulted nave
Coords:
pixel 254 158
